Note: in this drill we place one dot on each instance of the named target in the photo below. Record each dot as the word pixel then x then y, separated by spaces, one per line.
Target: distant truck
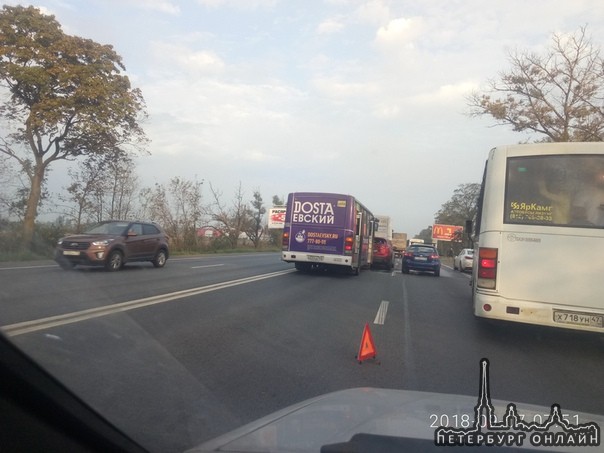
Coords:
pixel 384 229
pixel 399 242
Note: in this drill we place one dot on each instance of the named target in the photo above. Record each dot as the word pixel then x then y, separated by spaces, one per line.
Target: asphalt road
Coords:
pixel 176 356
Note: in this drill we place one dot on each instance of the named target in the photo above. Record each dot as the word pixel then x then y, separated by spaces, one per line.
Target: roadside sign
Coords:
pixel 447 232
pixel 276 217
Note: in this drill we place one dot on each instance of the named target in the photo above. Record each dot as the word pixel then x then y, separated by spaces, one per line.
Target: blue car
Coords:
pixel 423 258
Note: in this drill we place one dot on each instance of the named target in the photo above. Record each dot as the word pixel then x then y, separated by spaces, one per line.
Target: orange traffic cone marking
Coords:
pixel 367 347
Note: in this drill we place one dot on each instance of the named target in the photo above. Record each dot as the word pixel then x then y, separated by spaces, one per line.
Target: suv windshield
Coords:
pixel 114 228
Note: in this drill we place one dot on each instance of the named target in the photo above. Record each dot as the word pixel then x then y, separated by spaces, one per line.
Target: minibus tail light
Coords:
pixel 348 241
pixel 487 268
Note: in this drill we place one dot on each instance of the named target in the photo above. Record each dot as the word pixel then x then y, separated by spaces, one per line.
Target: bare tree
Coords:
pixel 558 95
pixel 81 191
pixel 234 220
pixel 177 208
pixel 9 183
pixel 155 205
pixel 121 186
pixel 103 187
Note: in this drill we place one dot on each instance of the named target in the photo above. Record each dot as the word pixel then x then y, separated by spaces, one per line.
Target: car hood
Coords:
pixel 411 417
pixel 89 237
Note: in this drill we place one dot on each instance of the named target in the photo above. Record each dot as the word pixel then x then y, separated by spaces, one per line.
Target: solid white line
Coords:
pixel 208 265
pixel 69 318
pixel 380 317
pixel 28 267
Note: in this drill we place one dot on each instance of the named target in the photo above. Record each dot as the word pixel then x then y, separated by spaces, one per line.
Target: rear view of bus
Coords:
pixel 540 232
pixel 326 231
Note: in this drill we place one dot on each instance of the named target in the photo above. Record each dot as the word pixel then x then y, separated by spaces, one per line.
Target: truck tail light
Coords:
pixel 285 240
pixel 487 268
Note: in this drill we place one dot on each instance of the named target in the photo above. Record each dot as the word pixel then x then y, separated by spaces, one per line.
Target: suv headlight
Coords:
pixel 103 243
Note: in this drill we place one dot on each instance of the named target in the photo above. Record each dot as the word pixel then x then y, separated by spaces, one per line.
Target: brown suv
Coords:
pixel 112 244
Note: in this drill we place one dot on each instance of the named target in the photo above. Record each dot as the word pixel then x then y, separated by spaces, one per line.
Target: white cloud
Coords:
pixel 450 93
pixel 332 87
pixel 387 111
pixel 238 4
pixel 329 26
pixel 259 156
pixel 217 116
pixel 163 6
pixel 374 12
pixel 401 32
pixel 179 58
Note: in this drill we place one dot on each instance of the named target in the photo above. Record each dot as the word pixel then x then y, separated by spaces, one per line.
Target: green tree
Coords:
pixel 461 206
pixel 255 229
pixel 425 234
pixel 276 234
pixel 558 95
pixel 68 98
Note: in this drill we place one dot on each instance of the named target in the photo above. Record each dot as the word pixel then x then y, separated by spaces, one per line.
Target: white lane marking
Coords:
pixel 207 265
pixel 77 316
pixel 380 317
pixel 28 267
pixel 408 358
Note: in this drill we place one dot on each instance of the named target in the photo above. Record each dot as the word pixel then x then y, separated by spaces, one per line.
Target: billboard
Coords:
pixel 447 232
pixel 276 217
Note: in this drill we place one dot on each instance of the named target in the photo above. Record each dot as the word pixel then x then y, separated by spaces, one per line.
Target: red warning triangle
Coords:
pixel 367 347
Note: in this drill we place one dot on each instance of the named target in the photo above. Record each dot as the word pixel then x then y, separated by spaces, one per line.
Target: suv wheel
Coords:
pixel 115 261
pixel 160 259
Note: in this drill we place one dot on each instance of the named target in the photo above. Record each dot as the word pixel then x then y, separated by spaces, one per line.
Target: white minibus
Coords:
pixel 539 236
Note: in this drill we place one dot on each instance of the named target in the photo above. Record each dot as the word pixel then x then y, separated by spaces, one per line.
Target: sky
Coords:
pixel 363 97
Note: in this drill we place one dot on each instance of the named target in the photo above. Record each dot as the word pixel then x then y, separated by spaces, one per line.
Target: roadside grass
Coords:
pixel 25 255
pixel 28 255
